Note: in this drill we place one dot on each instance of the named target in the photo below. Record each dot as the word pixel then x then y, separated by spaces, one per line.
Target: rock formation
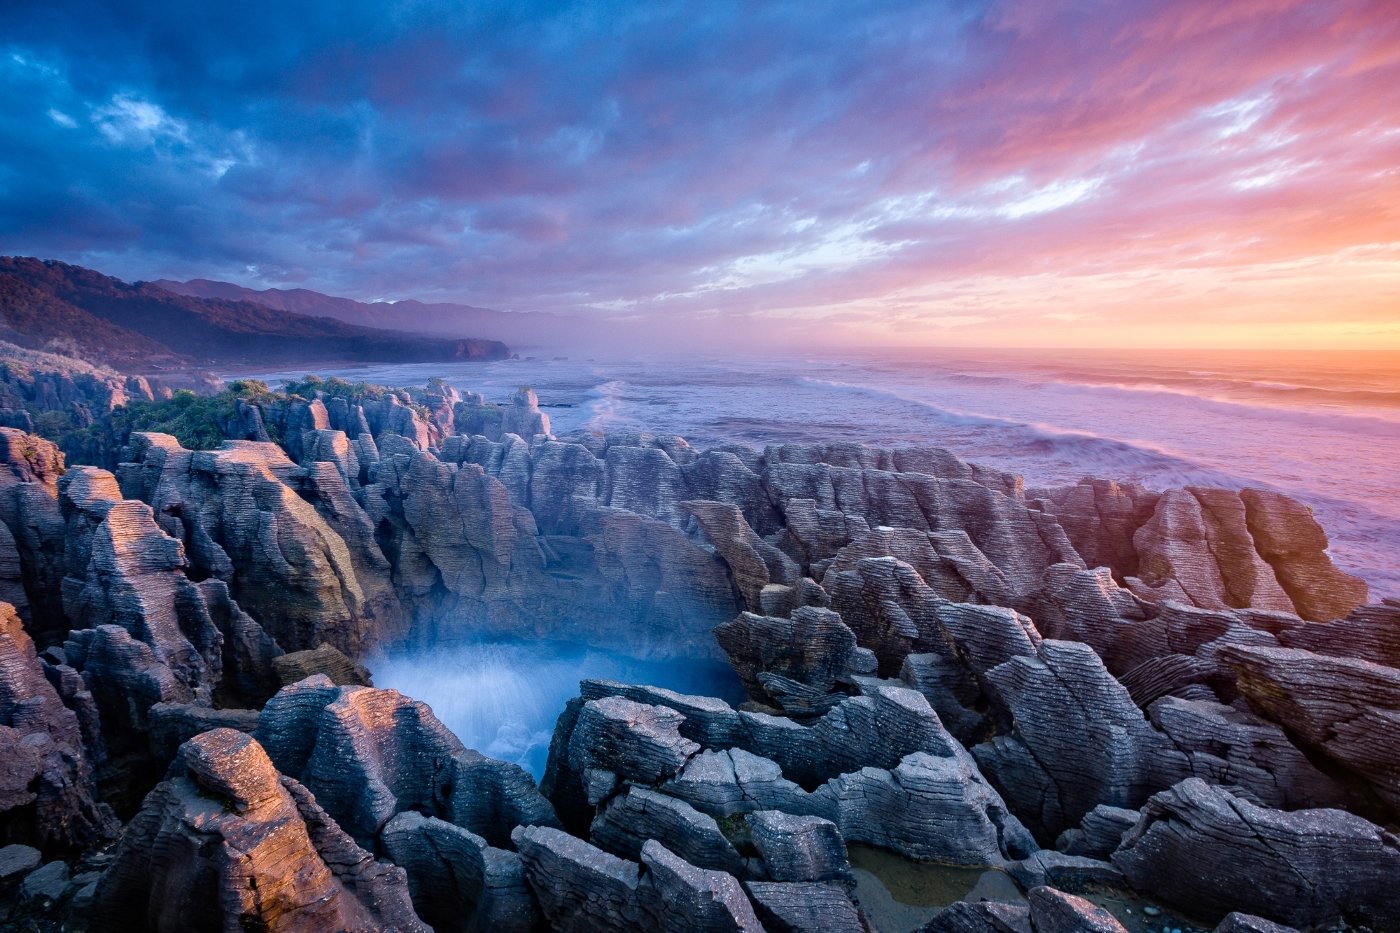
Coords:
pixel 228 843
pixel 1099 684
pixel 1213 852
pixel 47 793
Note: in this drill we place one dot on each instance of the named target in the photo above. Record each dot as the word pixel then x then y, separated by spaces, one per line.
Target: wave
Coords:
pixel 605 409
pixel 1329 419
pixel 1138 458
pixel 1203 383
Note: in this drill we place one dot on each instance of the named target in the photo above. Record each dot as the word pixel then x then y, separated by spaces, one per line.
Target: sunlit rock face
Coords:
pixel 228 843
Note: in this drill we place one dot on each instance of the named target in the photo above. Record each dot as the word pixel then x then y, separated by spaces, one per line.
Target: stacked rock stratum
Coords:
pixel 1172 695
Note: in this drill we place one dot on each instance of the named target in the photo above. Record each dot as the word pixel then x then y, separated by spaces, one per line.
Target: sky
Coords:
pixel 1039 173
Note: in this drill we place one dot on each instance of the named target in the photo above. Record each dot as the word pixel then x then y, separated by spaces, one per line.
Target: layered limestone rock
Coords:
pixel 583 888
pixel 1078 740
pixel 123 570
pixel 1096 644
pixel 878 769
pixel 1344 709
pixel 369 755
pixel 1211 852
pixel 241 520
pixel 47 793
pixel 794 663
pixel 1208 547
pixel 151 636
pixel 228 843
pixel 459 883
pixel 29 471
pixel 1197 545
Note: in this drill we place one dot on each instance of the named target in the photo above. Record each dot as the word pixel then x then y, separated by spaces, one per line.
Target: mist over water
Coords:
pixel 502 697
pixel 1323 427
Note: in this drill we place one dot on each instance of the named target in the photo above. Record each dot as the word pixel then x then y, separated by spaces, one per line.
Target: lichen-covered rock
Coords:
pixel 1212 852
pixel 227 843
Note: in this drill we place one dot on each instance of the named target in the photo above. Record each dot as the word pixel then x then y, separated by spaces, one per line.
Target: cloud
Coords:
pixel 794 160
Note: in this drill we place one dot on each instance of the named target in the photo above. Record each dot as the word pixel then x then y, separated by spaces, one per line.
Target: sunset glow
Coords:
pixel 1189 173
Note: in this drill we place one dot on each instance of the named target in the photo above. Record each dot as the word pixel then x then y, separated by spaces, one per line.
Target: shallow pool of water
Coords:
pixel 899 895
pixel 502 697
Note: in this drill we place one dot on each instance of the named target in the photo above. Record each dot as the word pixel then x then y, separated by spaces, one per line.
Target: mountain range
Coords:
pixel 53 306
pixel 523 330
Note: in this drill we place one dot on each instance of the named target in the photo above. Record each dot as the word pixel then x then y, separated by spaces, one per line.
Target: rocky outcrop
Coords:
pixel 1371 633
pixel 1053 911
pixel 29 471
pixel 1077 740
pixel 1094 646
pixel 47 793
pixel 1290 539
pixel 804 908
pixel 794 663
pixel 323 659
pixel 1197 545
pixel 240 520
pixel 228 843
pixel 369 755
pixel 1344 709
pixel 459 883
pixel 580 887
pixel 1208 547
pixel 1211 852
pixel 878 769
